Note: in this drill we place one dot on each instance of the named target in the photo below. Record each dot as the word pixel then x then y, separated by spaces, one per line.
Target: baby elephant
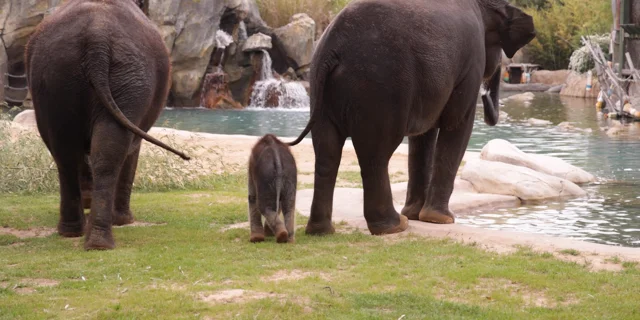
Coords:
pixel 272 188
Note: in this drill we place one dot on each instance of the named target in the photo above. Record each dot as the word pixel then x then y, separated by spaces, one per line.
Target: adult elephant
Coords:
pixel 386 69
pixel 99 74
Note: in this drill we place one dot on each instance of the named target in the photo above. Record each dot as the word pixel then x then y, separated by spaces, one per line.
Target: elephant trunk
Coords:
pixel 490 99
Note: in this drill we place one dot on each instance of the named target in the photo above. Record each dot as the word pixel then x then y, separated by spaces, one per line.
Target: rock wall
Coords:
pixel 187 26
pixel 557 77
pixel 576 86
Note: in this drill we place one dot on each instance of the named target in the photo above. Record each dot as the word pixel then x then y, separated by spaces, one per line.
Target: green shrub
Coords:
pixel 560 26
pixel 581 60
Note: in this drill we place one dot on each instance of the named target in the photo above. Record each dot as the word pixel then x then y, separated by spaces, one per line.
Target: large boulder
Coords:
pixel 576 85
pixel 189 31
pixel 297 38
pixel 522 182
pixel 26 118
pixel 503 151
pixel 553 78
pixel 257 42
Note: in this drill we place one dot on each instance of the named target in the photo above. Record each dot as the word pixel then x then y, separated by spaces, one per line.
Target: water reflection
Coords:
pixel 610 213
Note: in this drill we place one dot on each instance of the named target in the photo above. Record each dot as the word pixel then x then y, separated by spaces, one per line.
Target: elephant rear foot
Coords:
pixel 99 239
pixel 388 228
pixel 283 236
pixel 123 219
pixel 437 216
pixel 71 229
pixel 412 211
pixel 256 237
pixel 320 229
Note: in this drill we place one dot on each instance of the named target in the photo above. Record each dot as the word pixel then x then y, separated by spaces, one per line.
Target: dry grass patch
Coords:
pixel 290 275
pixel 235 296
pixel 141 224
pixel 28 285
pixel 491 290
pixel 40 232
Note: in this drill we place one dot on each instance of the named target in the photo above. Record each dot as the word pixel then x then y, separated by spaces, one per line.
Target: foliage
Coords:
pixel 581 60
pixel 276 13
pixel 560 26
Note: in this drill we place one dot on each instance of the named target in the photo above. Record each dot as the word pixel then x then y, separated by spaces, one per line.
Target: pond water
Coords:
pixel 609 214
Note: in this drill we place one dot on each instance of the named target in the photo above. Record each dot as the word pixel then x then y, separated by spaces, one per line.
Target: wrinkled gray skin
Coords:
pixel 272 188
pixel 386 69
pixel 99 74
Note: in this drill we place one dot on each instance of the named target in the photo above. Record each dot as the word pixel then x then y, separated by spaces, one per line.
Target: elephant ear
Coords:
pixel 516 31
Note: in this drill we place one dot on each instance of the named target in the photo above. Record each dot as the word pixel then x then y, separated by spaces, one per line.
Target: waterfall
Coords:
pixel 270 92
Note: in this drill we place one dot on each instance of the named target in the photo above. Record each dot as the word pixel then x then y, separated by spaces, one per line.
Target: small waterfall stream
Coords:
pixel 270 92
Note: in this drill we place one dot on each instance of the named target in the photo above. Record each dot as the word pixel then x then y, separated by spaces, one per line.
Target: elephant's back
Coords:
pixel 431 28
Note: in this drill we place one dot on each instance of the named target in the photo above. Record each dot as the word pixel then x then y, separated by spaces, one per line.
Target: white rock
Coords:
pixel 26 118
pixel 539 122
pixel 257 42
pixel 524 183
pixel 503 151
pixel 523 97
pixel 569 126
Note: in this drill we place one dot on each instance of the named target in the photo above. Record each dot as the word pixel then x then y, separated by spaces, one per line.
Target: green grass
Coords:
pixel 159 272
pixel 571 252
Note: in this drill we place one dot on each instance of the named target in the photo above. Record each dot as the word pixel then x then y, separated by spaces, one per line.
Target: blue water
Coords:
pixel 610 213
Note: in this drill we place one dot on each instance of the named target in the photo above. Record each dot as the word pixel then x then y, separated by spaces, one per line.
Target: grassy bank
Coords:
pixel 188 264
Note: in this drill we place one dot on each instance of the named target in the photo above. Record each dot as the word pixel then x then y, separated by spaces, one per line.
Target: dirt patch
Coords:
pixel 592 261
pixel 290 275
pixel 240 225
pixel 28 285
pixel 487 289
pixel 40 282
pixel 234 296
pixel 39 232
pixel 141 224
pixel 169 286
pixel 198 195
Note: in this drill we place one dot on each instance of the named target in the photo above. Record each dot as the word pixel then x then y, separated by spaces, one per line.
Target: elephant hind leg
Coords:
pixel 109 148
pixel 72 218
pixel 373 156
pixel 86 183
pixel 450 148
pixel 122 214
pixel 421 155
pixel 327 145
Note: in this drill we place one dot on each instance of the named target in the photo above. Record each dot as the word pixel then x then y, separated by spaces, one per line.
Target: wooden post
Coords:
pixel 623 10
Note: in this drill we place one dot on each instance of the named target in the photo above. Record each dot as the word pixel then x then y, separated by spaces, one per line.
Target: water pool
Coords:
pixel 609 214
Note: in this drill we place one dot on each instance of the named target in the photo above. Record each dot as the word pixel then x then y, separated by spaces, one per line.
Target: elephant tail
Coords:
pixel 96 66
pixel 317 91
pixel 278 176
